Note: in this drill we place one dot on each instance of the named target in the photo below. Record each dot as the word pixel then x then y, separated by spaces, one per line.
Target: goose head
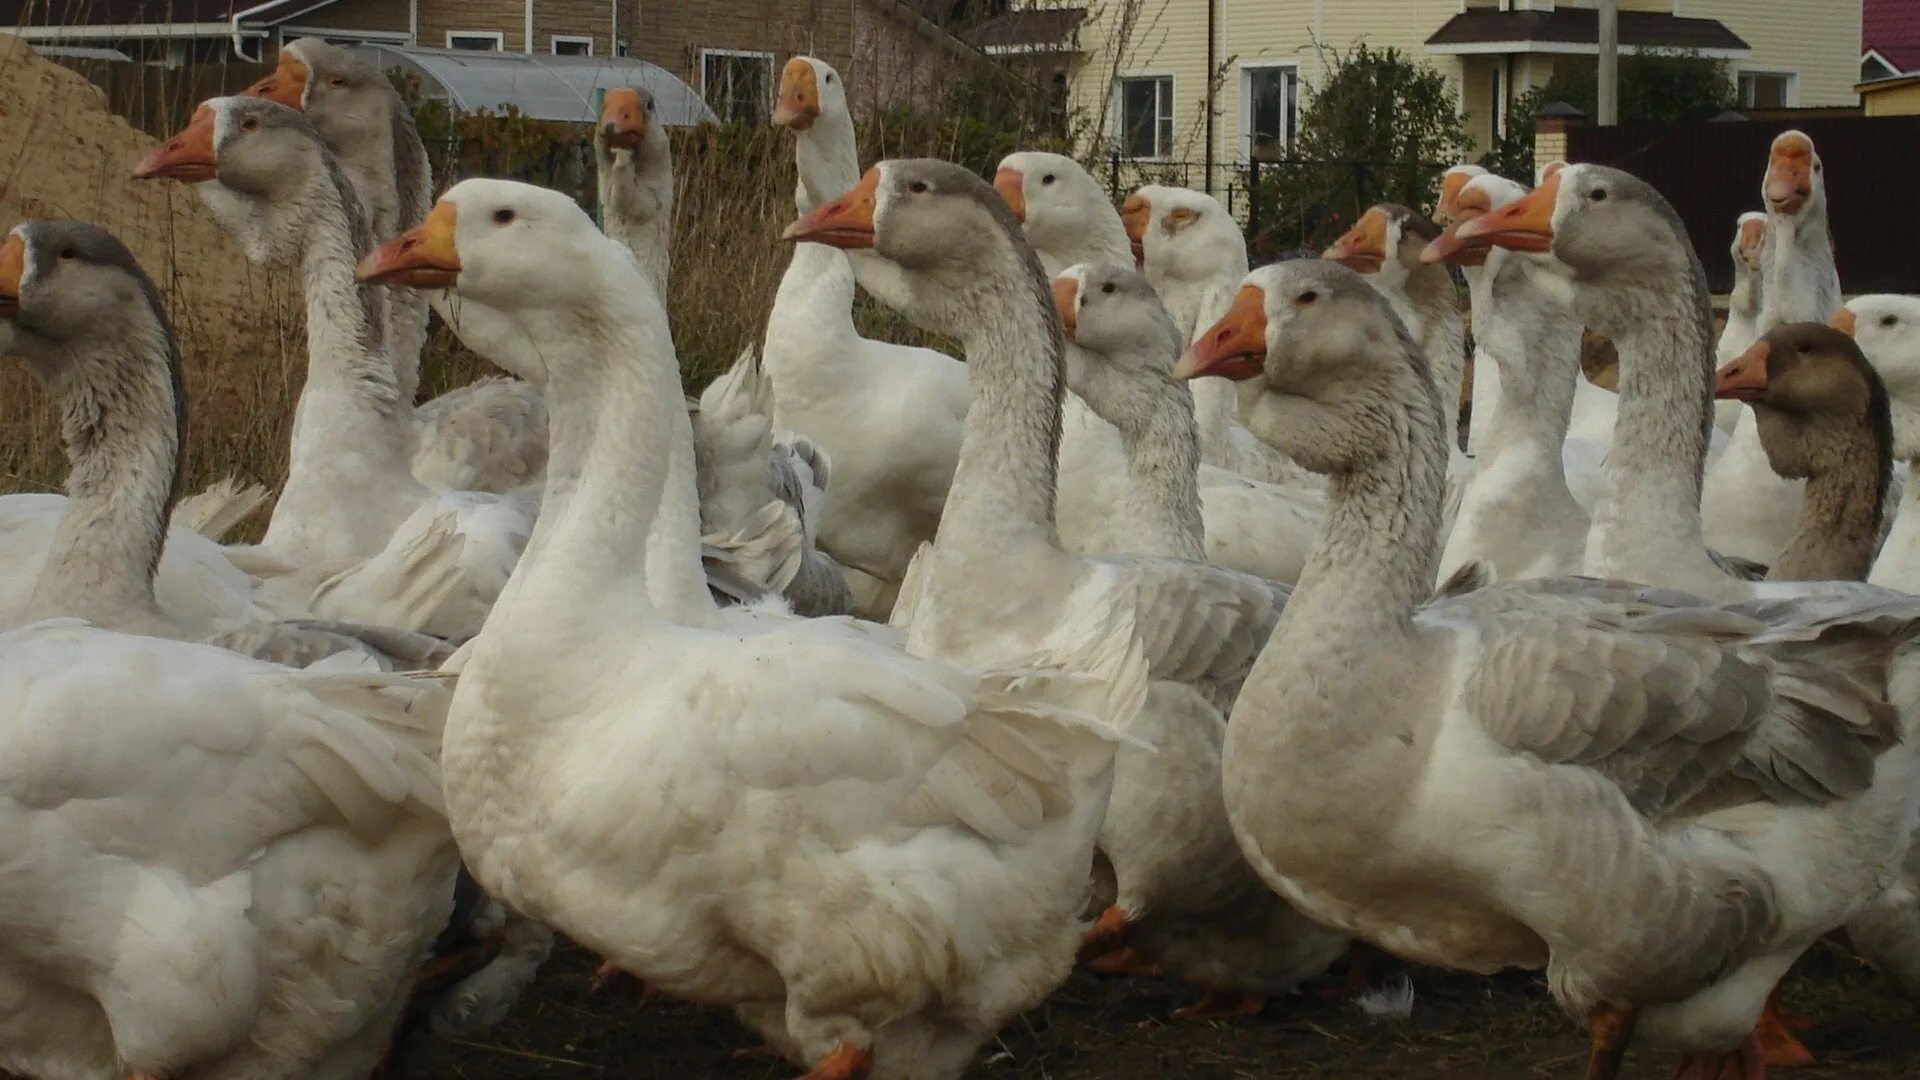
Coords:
pixel 1446 200
pixel 263 170
pixel 345 94
pixel 630 122
pixel 1385 244
pixel 1181 235
pixel 67 287
pixel 1887 329
pixel 1804 380
pixel 950 249
pixel 1315 333
pixel 1476 195
pixel 810 89
pixel 1749 241
pixel 1123 342
pixel 1056 201
pixel 1795 180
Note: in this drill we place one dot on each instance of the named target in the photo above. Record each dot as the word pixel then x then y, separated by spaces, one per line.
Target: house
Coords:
pixel 1213 82
pixel 1889 39
pixel 728 50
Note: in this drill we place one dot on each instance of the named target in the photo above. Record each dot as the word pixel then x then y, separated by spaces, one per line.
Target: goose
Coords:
pixel 812 103
pixel 1189 904
pixel 1625 262
pixel 1743 303
pixel 350 492
pixel 1887 329
pixel 1749 511
pixel 1518 515
pixel 90 323
pixel 1652 841
pixel 488 436
pixel 1194 255
pixel 1067 220
pixel 635 178
pixel 877 859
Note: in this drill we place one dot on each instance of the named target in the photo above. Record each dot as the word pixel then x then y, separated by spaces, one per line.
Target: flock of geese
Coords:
pixel 874 691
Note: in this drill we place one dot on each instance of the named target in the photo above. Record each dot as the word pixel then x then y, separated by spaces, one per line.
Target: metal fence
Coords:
pixel 1711 173
pixel 1289 204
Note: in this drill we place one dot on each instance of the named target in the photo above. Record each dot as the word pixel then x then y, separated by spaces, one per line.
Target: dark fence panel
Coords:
pixel 160 100
pixel 1712 172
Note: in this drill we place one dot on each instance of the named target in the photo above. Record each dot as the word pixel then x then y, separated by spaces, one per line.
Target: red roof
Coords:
pixel 1892 28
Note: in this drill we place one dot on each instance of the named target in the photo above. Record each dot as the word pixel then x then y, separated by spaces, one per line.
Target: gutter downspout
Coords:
pixel 413 23
pixel 613 35
pixel 528 34
pixel 1213 89
pixel 239 48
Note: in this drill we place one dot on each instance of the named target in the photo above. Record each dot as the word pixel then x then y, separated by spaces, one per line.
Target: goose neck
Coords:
pixel 828 160
pixel 122 424
pixel 1801 283
pixel 636 204
pixel 1534 347
pixel 1162 446
pixel 1839 526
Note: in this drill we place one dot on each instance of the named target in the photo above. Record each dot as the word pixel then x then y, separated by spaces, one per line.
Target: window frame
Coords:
pixel 766 58
pixel 1289 118
pixel 1119 113
pixel 554 41
pixel 498 37
pixel 1789 97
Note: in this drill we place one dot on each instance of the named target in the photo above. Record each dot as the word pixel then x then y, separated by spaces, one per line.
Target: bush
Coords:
pixel 1656 87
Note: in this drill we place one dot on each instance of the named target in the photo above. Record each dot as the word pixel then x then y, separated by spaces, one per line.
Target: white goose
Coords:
pixel 350 491
pixel 1887 329
pixel 492 434
pixel 1186 902
pixel 1657 841
pixel 877 859
pixel 1748 510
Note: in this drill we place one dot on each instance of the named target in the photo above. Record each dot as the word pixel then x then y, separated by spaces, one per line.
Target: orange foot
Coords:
pixel 1358 976
pixel 1123 961
pixel 1746 1063
pixel 1106 934
pixel 608 979
pixel 1222 1005
pixel 1610 1030
pixel 1781 1048
pixel 847 1062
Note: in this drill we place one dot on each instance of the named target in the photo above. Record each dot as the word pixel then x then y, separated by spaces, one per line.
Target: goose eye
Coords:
pixel 251 123
pixel 1599 195
pixel 69 253
pixel 1805 348
pixel 1307 297
pixel 829 78
pixel 918 187
pixel 1888 321
pixel 1107 288
pixel 337 80
pixel 1047 179
pixel 503 216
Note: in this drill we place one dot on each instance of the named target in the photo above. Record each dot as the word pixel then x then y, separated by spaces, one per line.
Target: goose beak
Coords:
pixel 1462 207
pixel 1745 376
pixel 423 257
pixel 287 85
pixel 623 118
pixel 1135 214
pixel 1526 224
pixel 799 103
pixel 1012 187
pixel 1789 182
pixel 1447 210
pixel 1364 247
pixel 1753 235
pixel 846 222
pixel 1066 291
pixel 1843 321
pixel 188 156
pixel 1236 346
pixel 13 267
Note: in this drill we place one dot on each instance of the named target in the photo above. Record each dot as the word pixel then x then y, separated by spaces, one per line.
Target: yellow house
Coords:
pixel 1898 96
pixel 1211 82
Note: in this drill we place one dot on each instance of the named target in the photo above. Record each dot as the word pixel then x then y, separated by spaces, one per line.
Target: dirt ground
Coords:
pixel 1116 1029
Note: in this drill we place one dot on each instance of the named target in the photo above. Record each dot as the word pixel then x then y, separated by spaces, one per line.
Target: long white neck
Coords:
pixel 1424 300
pixel 1096 236
pixel 828 160
pixel 1534 345
pixel 1195 306
pixel 1801 282
pixel 120 421
pixel 1486 369
pixel 636 206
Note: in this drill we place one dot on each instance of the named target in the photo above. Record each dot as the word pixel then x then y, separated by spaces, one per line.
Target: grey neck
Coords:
pixel 1157 431
pixel 1846 473
pixel 1430 292
pixel 123 425
pixel 636 205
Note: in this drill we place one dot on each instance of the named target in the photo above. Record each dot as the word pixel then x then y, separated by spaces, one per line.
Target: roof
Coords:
pixel 1577 30
pixel 1892 29
pixel 1022 31
pixel 1874 86
pixel 540 86
pixel 154 18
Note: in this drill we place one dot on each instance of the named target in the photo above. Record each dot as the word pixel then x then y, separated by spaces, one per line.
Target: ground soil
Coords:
pixel 1117 1029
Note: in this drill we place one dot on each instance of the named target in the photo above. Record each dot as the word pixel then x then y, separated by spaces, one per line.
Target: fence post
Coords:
pixel 1253 200
pixel 1113 173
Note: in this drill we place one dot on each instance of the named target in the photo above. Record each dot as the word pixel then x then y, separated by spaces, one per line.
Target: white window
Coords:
pixel 1269 110
pixel 477 40
pixel 1145 115
pixel 1769 89
pixel 739 85
pixel 620 47
pixel 570 45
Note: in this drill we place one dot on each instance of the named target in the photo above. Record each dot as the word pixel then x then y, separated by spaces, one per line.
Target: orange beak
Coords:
pixel 1745 376
pixel 1789 181
pixel 13 267
pixel 187 156
pixel 1364 247
pixel 1446 211
pixel 1066 291
pixel 623 118
pixel 799 103
pixel 1843 321
pixel 1466 206
pixel 1753 235
pixel 287 85
pixel 1236 346
pixel 846 222
pixel 1012 187
pixel 423 257
pixel 1525 224
pixel 1135 214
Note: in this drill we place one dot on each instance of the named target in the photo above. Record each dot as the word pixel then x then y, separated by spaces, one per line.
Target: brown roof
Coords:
pixel 102 12
pixel 1042 28
pixel 1575 26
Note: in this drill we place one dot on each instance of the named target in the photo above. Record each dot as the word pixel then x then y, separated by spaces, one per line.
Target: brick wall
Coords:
pixel 439 16
pixel 672 34
pixel 577 18
pixel 383 15
pixel 892 61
